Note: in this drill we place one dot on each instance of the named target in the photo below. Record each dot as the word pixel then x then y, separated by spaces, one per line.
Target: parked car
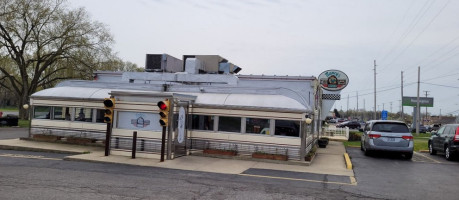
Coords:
pixel 387 135
pixel 435 127
pixel 350 124
pixel 332 121
pixel 445 140
pixel 422 129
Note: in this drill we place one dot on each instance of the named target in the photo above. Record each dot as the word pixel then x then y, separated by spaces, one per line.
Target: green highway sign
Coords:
pixel 412 101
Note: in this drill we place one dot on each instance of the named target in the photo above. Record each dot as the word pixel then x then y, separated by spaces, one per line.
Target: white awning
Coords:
pixel 214 100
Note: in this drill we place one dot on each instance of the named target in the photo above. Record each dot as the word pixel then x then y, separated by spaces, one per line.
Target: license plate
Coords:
pixel 391 139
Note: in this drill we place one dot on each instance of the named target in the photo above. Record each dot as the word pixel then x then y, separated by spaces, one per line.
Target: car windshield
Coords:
pixel 390 127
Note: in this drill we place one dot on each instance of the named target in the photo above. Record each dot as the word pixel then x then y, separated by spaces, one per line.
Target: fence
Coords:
pixel 333 132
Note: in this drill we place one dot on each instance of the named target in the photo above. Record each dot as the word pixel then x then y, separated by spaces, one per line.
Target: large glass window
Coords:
pixel 83 114
pixel 202 122
pixel 42 112
pixel 229 124
pixel 100 115
pixel 61 113
pixel 287 128
pixel 257 126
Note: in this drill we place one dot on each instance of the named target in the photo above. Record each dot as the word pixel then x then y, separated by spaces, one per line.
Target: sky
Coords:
pixel 304 37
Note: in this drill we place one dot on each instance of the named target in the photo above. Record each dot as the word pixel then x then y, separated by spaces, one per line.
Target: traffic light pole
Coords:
pixel 163 143
pixel 107 139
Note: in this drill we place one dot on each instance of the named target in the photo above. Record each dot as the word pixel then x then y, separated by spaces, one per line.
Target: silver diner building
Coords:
pixel 212 108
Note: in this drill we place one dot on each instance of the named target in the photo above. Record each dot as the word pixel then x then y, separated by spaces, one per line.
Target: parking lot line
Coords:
pixel 420 154
pixel 28 156
pixel 353 181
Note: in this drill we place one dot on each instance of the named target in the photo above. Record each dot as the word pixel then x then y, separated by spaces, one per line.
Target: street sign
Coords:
pixel 423 101
pixel 384 115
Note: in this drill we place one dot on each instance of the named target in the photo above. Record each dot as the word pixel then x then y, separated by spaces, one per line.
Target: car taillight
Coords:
pixel 407 137
pixel 374 136
pixel 456 137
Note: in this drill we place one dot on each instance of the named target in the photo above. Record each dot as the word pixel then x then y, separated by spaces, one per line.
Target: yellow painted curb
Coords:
pixel 348 161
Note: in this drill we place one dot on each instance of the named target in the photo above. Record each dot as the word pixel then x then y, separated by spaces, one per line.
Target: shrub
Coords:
pixel 354 136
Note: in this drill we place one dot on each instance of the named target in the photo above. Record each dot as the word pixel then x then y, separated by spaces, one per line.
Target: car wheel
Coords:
pixel 408 156
pixel 448 155
pixel 367 152
pixel 431 150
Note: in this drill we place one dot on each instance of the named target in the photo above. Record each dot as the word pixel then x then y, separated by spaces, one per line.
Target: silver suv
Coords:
pixel 387 135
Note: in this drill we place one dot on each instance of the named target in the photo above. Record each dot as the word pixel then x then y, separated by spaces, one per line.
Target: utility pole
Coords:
pixel 401 112
pixel 357 101
pixel 382 106
pixel 425 117
pixel 417 102
pixel 374 110
pixel 347 103
pixel 391 106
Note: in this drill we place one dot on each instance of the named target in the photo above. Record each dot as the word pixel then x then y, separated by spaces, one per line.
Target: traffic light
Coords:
pixel 109 104
pixel 163 112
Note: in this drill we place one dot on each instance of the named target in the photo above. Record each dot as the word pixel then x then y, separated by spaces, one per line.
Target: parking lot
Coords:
pixel 391 176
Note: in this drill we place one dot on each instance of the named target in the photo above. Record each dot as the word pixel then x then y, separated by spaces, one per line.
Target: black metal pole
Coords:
pixel 163 143
pixel 107 139
pixel 134 144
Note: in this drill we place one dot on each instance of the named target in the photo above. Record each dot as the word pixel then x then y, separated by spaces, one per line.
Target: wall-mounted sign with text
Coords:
pixel 333 80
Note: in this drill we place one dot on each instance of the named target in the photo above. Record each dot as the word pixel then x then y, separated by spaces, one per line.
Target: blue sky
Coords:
pixel 301 37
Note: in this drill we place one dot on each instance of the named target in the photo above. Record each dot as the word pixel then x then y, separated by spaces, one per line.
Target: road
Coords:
pixel 35 175
pixel 12 133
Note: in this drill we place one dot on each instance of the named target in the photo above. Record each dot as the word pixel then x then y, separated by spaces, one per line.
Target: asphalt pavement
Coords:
pixel 391 176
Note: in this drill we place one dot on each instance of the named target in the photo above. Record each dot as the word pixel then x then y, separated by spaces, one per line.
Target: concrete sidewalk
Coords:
pixel 328 160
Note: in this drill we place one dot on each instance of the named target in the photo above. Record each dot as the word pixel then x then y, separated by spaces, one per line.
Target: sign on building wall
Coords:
pixel 412 101
pixel 333 80
pixel 138 121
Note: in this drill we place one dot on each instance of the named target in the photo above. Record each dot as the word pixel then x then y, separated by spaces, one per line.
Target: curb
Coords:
pixel 16 148
pixel 348 161
pixel 423 151
pixel 249 158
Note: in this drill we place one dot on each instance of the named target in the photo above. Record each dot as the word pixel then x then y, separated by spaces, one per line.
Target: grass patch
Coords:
pixel 24 123
pixel 351 143
pixel 9 109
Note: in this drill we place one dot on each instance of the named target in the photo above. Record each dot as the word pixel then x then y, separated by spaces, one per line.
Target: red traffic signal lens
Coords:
pixel 162 105
pixel 108 103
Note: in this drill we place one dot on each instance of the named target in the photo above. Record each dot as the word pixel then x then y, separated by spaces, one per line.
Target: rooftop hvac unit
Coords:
pixel 162 63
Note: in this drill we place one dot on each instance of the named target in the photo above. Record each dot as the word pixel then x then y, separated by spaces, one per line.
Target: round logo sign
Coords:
pixel 333 80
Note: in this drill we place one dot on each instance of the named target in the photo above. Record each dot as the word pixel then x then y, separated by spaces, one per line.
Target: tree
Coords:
pixel 336 113
pixel 43 42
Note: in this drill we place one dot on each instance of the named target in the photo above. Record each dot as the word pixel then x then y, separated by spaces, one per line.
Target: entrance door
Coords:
pixel 180 141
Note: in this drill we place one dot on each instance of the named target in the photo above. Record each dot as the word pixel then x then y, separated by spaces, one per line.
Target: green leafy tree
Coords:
pixel 44 41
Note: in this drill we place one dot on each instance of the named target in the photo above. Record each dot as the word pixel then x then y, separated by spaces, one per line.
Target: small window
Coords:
pixel 287 128
pixel 42 112
pixel 83 114
pixel 257 126
pixel 62 113
pixel 229 124
pixel 202 122
pixel 100 115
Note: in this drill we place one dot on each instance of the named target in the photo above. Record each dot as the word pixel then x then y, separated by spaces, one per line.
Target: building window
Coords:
pixel 287 128
pixel 229 124
pixel 83 114
pixel 100 115
pixel 257 126
pixel 41 112
pixel 202 122
pixel 62 113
